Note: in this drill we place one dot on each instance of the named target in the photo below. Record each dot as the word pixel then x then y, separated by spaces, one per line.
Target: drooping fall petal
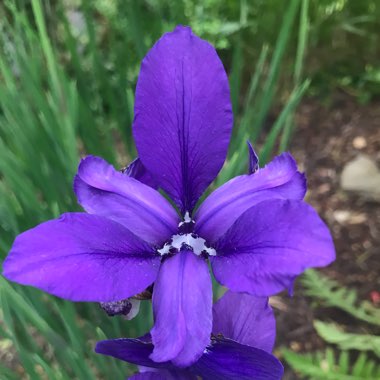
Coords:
pixel 182 306
pixel 228 360
pixel 82 257
pixel 138 351
pixel 269 245
pixel 102 190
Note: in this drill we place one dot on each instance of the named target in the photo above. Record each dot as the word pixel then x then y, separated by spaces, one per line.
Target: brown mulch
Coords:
pixel 326 139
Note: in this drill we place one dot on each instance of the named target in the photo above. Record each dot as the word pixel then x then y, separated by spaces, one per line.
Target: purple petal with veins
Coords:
pixel 280 179
pixel 269 245
pixel 183 115
pixel 245 319
pixel 137 171
pixel 82 257
pixel 102 190
pixel 182 302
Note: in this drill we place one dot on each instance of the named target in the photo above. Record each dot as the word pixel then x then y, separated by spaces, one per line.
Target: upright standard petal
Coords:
pixel 104 191
pixel 182 306
pixel 82 257
pixel 228 360
pixel 279 179
pixel 245 319
pixel 269 245
pixel 183 115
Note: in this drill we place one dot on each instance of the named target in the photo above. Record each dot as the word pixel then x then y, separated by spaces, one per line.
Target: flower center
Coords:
pixel 186 239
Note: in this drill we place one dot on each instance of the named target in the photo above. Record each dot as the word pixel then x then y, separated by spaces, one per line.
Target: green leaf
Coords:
pixel 333 294
pixel 334 334
pixel 324 366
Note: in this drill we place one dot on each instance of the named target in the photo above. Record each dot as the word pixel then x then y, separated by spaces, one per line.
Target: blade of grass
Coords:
pixel 249 109
pixel 270 141
pixel 298 69
pixel 268 91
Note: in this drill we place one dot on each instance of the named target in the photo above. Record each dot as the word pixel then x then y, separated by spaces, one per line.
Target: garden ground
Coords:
pixel 327 138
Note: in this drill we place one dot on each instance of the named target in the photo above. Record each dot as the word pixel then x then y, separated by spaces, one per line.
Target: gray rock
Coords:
pixel 362 176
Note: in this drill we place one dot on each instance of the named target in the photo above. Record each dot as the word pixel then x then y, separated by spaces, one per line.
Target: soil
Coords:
pixel 328 137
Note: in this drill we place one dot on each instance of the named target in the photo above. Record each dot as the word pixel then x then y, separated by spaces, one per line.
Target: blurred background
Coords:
pixel 304 77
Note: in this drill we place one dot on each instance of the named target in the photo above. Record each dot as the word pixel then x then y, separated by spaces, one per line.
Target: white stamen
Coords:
pixel 186 219
pixel 197 245
pixel 164 250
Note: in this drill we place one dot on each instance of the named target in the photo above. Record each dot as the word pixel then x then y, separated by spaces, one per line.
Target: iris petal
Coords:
pixel 137 171
pixel 82 257
pixel 161 375
pixel 253 159
pixel 182 305
pixel 245 319
pixel 279 179
pixel 183 115
pixel 164 375
pixel 228 360
pixel 269 245
pixel 135 351
pixel 104 191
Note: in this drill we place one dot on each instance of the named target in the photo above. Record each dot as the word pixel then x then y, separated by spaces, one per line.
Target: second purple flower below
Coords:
pixel 240 348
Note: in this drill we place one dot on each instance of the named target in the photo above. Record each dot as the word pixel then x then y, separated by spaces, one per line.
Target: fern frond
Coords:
pixel 325 366
pixel 333 333
pixel 333 294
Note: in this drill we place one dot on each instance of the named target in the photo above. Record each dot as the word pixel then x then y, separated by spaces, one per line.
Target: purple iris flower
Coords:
pixel 240 348
pixel 255 230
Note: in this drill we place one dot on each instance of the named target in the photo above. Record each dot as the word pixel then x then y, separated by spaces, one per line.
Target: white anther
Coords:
pixel 186 219
pixel 197 244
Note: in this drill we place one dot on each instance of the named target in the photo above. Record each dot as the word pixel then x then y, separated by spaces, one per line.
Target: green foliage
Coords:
pixel 344 36
pixel 326 366
pixel 50 337
pixel 332 294
pixel 334 334
pixel 262 89
pixel 298 69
